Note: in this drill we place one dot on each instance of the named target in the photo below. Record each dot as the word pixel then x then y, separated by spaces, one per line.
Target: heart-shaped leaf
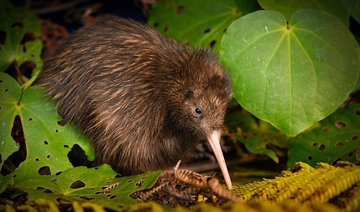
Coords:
pixel 336 138
pixel 289 7
pixel 291 75
pixel 201 23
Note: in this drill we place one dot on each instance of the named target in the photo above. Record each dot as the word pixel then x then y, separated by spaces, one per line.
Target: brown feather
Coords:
pixel 133 92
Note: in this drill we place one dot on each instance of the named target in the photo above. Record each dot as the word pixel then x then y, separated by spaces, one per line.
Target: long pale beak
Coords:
pixel 214 140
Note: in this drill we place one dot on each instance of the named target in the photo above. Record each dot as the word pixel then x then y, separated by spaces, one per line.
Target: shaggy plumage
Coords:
pixel 136 94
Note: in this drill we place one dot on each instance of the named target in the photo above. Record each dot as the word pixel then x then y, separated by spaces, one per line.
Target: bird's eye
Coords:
pixel 198 111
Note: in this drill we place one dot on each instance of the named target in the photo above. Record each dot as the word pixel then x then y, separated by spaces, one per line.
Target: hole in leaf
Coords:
pixel 54 180
pixel 48 191
pixel 357 111
pixel 27 38
pixel 45 170
pixel 103 192
pixel 27 68
pixel 45 190
pixel 58 173
pixel 139 184
pixel 340 124
pixel 212 43
pixel 355 137
pixel 207 31
pixel 17 131
pixel 48 156
pixel 309 158
pixel 86 198
pixel 17 24
pixel 6 90
pixel 0 107
pixel 66 146
pixel 77 184
pixel 36 159
pixel 129 181
pixel 112 196
pixel 2 37
pixel 77 157
pixel 14 160
pixel 314 144
pixel 56 131
pixel 156 24
pixel 45 142
pixel 339 144
pixel 180 9
pixel 14 175
pixel 350 154
pixel 30 119
pixel 117 175
pixel 322 147
pixel 166 27
pixel 61 123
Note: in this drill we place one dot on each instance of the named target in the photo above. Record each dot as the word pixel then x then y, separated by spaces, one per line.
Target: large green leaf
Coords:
pixel 201 23
pixel 9 97
pixel 16 23
pixel 289 7
pixel 99 185
pixel 353 6
pixel 291 75
pixel 337 137
pixel 47 142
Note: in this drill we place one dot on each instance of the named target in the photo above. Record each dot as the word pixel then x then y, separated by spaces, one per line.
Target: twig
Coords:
pixel 58 7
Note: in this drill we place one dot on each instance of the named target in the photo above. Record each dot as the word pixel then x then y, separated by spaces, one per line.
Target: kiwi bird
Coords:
pixel 144 101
